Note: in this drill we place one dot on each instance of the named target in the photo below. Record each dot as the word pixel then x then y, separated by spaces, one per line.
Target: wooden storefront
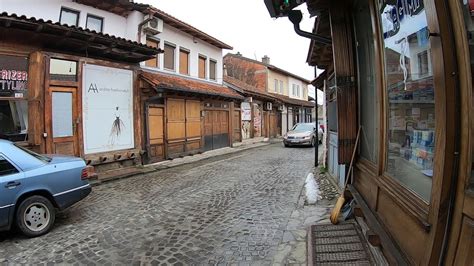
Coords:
pixel 64 83
pixel 187 116
pixel 409 88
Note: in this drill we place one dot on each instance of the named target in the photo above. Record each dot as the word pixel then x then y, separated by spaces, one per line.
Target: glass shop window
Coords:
pixel 365 50
pixel 62 70
pixel 410 89
pixel 468 10
pixel 14 120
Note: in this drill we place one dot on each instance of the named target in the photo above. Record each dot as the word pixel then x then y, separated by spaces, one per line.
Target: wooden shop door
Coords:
pixel 155 138
pixel 216 129
pixel 62 121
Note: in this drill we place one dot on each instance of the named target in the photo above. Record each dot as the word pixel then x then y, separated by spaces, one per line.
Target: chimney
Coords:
pixel 238 54
pixel 266 60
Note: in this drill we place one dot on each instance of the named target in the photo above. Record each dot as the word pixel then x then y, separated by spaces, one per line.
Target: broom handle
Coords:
pixel 352 158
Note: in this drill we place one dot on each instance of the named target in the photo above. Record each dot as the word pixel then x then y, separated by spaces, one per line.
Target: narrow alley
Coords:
pixel 236 208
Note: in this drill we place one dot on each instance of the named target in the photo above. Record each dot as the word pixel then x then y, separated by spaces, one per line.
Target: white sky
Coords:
pixel 247 26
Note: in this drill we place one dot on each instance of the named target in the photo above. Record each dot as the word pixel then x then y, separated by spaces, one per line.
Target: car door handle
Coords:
pixel 12 184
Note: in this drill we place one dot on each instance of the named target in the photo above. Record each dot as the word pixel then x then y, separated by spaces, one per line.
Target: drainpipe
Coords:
pixel 151 15
pixel 295 16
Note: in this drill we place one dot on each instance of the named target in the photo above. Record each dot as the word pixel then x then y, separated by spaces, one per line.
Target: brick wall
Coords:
pixel 247 71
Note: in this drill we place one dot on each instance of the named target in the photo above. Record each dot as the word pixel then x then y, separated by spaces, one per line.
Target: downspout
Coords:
pixel 295 16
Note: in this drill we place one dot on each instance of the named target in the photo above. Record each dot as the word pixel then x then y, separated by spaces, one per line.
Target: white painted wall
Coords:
pixel 195 46
pixel 303 89
pixel 50 10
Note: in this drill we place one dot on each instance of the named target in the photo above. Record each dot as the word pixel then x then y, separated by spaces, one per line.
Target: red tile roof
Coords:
pixel 183 84
pixel 249 89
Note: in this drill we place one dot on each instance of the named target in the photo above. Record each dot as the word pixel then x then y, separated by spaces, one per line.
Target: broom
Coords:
pixel 340 201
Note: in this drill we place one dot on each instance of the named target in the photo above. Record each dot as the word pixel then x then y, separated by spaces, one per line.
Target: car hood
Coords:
pixel 55 159
pixel 299 133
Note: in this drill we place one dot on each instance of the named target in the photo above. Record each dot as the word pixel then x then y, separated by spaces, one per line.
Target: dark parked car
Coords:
pixel 34 186
pixel 303 134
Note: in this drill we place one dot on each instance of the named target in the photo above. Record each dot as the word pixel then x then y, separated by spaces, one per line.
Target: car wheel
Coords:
pixel 312 142
pixel 286 145
pixel 35 216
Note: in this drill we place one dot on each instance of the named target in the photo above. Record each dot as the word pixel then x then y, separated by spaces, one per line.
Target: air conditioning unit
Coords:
pixel 281 108
pixel 268 106
pixel 153 26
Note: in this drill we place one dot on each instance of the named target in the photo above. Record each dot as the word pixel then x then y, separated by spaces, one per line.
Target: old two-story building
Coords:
pixel 400 72
pixel 275 98
pixel 109 81
pixel 186 108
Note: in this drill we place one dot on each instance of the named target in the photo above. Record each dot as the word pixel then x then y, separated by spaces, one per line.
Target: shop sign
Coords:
pixel 13 76
pixel 397 12
pixel 246 111
pixel 107 99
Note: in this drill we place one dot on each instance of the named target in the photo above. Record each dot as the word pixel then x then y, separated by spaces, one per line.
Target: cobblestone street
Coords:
pixel 229 209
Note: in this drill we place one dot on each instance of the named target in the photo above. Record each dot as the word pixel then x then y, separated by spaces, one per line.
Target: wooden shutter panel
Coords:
pixel 212 70
pixel 342 40
pixel 154 61
pixel 202 67
pixel 183 62
pixel 169 56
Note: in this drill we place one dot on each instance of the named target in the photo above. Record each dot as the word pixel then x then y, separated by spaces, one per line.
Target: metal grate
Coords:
pixel 339 244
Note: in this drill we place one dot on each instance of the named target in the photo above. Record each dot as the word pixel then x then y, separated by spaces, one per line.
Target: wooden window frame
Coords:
pixel 215 69
pixel 77 12
pixel 157 57
pixel 95 17
pixel 200 56
pixel 174 56
pixel 188 53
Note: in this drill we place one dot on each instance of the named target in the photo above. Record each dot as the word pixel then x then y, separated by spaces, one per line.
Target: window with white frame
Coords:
pixel 275 89
pixel 212 69
pixel 281 86
pixel 169 56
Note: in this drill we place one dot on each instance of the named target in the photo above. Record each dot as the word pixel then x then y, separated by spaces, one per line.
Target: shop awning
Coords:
pixel 72 40
pixel 174 83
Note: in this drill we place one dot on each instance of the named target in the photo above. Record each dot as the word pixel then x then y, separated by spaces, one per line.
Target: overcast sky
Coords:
pixel 247 26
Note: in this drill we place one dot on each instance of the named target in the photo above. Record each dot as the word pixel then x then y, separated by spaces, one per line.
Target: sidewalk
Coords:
pixel 143 169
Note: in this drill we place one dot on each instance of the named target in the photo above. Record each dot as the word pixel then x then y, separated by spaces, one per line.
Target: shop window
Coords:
pixel 6 168
pixel 410 91
pixel 368 113
pixel 184 61
pixel 69 17
pixel 169 56
pixel 153 62
pixel 202 67
pixel 94 23
pixel 212 69
pixel 469 23
pixel 63 70
pixel 14 120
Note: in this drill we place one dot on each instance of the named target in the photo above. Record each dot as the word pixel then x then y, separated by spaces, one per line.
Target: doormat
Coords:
pixel 344 243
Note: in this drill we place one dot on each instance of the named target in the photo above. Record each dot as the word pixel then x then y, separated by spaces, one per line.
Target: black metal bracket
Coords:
pixel 295 16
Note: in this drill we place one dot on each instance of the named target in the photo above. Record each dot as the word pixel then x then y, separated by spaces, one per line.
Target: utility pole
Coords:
pixel 316 146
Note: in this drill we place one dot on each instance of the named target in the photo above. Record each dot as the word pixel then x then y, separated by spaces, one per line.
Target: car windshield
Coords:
pixel 303 127
pixel 34 154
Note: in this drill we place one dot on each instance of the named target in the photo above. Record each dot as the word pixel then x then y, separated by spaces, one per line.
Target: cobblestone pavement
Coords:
pixel 233 209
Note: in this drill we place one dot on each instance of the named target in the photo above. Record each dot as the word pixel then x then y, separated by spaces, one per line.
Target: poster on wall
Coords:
pixel 246 111
pixel 107 104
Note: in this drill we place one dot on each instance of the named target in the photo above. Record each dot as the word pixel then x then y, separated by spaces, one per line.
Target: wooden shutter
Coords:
pixel 202 67
pixel 184 62
pixel 344 70
pixel 212 69
pixel 169 56
pixel 154 61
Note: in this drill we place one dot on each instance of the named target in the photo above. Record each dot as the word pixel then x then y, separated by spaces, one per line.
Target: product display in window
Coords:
pixel 411 95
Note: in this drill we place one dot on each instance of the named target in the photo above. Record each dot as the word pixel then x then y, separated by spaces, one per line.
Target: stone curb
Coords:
pixel 146 169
